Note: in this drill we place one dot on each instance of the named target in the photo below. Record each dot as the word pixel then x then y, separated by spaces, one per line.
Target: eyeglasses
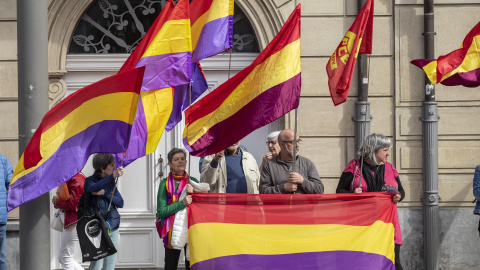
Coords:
pixel 291 142
pixel 271 142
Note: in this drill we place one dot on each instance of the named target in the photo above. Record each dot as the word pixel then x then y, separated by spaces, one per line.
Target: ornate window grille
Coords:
pixel 117 26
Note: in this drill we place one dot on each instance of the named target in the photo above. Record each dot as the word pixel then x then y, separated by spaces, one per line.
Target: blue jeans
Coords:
pixel 3 239
pixel 108 263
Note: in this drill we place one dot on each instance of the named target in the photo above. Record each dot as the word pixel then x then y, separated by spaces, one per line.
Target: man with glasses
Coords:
pixel 278 176
pixel 231 171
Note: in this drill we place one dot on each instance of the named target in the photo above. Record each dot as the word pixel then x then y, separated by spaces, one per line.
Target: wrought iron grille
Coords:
pixel 117 26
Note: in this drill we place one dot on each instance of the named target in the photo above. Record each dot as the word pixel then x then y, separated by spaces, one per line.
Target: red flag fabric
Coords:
pixel 358 39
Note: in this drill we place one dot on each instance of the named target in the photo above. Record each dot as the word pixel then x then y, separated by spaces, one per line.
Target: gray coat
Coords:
pixel 275 174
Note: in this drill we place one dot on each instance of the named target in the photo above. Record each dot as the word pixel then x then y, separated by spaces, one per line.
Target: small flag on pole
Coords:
pixel 341 65
pixel 460 67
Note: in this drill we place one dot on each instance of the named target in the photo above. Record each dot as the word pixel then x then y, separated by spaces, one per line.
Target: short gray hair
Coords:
pixel 371 145
pixel 175 151
pixel 273 135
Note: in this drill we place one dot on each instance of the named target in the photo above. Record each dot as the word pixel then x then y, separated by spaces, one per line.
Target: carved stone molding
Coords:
pixel 63 16
pixel 265 17
pixel 57 89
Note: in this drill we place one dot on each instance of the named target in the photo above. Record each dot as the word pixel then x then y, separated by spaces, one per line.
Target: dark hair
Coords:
pixel 101 161
pixel 175 151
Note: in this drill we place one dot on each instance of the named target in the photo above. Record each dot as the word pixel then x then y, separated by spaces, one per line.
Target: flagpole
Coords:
pixel 295 140
pixel 230 63
pixel 365 130
pixel 189 104
pixel 115 187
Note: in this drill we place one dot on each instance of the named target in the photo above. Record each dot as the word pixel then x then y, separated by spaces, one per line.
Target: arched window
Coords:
pixel 117 26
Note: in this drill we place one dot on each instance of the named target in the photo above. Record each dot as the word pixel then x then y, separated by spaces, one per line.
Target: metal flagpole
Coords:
pixel 295 140
pixel 115 187
pixel 366 131
pixel 189 104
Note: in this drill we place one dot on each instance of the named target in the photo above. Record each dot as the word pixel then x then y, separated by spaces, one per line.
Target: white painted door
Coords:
pixel 139 244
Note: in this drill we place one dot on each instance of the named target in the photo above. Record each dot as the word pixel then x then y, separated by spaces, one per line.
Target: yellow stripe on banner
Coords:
pixel 276 69
pixel 157 106
pixel 115 106
pixel 431 71
pixel 18 170
pixel 174 37
pixel 471 60
pixel 213 240
pixel 218 9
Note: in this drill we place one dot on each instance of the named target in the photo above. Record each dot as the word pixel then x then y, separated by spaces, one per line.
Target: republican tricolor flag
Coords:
pixel 166 52
pixel 460 67
pixel 95 119
pixel 263 232
pixel 212 33
pixel 341 65
pixel 257 95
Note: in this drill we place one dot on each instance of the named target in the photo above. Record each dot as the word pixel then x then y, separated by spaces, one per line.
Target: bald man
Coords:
pixel 278 176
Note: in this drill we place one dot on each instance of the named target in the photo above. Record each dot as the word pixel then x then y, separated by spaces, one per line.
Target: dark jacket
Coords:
pixel 95 183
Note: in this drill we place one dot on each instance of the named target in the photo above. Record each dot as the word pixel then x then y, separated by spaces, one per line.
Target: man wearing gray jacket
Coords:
pixel 278 176
pixel 231 171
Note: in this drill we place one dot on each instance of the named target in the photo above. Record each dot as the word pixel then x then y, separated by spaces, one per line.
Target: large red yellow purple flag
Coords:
pixel 460 67
pixel 166 52
pixel 212 33
pixel 95 119
pixel 257 95
pixel 358 39
pixel 330 231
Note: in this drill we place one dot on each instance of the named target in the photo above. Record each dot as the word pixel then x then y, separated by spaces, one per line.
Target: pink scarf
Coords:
pixel 172 197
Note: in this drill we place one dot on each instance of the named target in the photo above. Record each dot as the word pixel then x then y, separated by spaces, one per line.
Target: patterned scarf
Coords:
pixel 172 197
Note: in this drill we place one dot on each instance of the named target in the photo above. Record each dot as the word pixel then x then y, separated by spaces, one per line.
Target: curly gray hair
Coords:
pixel 371 145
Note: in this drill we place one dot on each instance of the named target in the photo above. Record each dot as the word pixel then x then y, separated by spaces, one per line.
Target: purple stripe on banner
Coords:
pixel 68 160
pixel 467 79
pixel 338 260
pixel 181 98
pixel 216 37
pixel 421 62
pixel 166 70
pixel 138 139
pixel 264 109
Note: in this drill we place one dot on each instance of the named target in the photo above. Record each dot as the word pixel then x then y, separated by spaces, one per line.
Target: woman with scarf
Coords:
pixel 377 175
pixel 168 203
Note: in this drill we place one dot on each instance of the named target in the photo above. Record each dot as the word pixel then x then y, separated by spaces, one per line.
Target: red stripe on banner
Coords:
pixel 289 33
pixel 198 8
pixel 346 209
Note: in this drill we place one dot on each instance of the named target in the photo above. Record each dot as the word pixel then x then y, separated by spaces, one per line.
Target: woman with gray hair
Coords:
pixel 273 148
pixel 377 175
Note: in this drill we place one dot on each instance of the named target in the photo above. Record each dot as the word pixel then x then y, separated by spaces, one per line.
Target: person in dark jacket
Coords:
pixel 6 172
pixel 102 186
pixel 69 233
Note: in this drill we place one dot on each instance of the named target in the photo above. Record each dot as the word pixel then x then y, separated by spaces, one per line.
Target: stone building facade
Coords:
pixel 396 91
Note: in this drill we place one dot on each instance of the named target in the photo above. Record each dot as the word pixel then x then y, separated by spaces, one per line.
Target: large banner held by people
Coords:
pixel 258 95
pixel 460 67
pixel 341 65
pixel 330 231
pixel 95 119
